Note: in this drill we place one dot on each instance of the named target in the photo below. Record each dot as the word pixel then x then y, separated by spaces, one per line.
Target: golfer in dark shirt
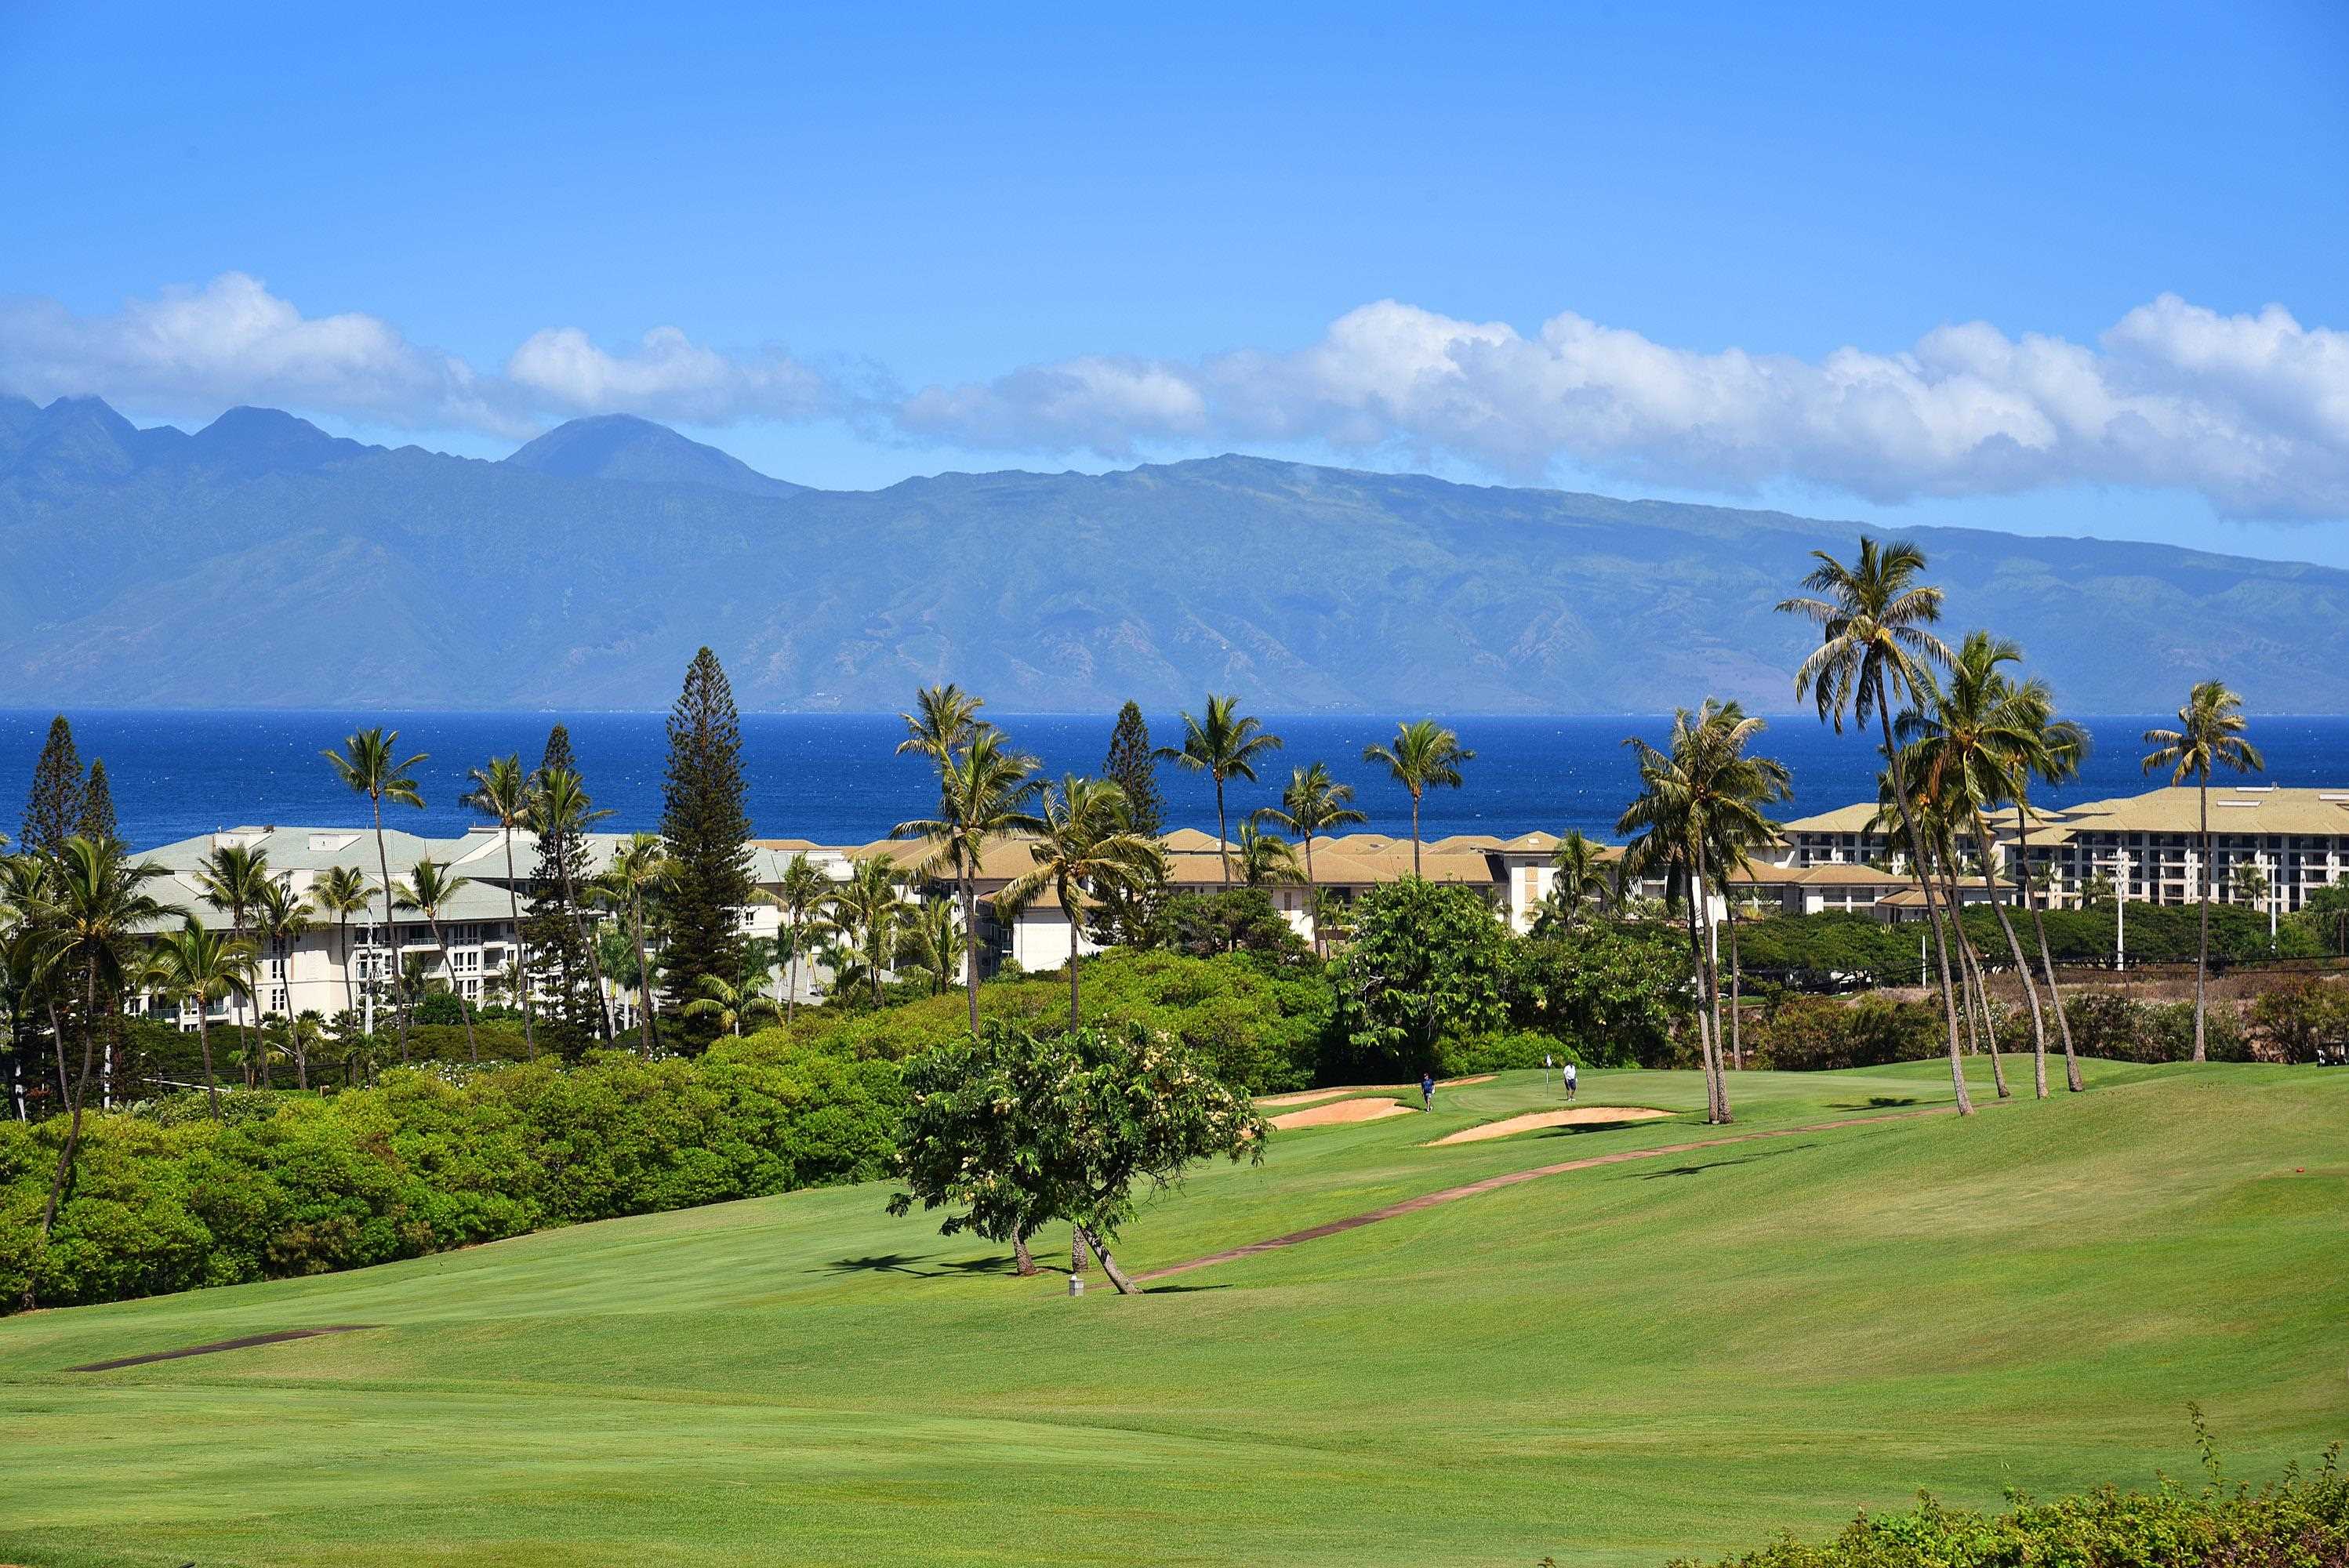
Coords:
pixel 1427 1091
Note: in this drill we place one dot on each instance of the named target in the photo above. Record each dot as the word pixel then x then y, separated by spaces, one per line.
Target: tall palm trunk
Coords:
pixel 1925 886
pixel 204 1041
pixel 1313 900
pixel 448 967
pixel 1415 830
pixel 595 964
pixel 2022 964
pixel 1717 1081
pixel 2202 944
pixel 390 932
pixel 2046 958
pixel 1736 996
pixel 970 941
pixel 80 1094
pixel 522 949
pixel 1223 834
pixel 343 955
pixel 644 969
pixel 1988 1013
pixel 792 977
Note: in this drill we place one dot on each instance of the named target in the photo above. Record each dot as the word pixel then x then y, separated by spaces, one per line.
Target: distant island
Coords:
pixel 262 563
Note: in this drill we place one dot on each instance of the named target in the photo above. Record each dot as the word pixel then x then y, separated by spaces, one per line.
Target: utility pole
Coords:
pixel 2120 911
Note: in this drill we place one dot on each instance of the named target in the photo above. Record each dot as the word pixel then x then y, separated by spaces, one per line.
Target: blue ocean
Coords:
pixel 836 779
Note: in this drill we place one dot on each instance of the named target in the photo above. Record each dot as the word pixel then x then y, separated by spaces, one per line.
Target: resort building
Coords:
pixel 2271 846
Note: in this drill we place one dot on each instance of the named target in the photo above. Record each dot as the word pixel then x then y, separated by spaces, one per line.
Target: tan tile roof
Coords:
pixel 1858 819
pixel 2174 809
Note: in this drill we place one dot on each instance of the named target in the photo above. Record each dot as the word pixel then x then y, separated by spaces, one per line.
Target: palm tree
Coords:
pixel 638 867
pixel 1267 859
pixel 283 917
pixel 2210 734
pixel 231 879
pixel 1088 842
pixel 1223 745
pixel 841 962
pixel 931 944
pixel 559 805
pixel 729 1005
pixel 985 792
pixel 2053 751
pixel 429 887
pixel 1873 647
pixel 1971 743
pixel 93 915
pixel 799 894
pixel 1698 812
pixel 194 964
pixel 1425 756
pixel 1578 876
pixel 501 793
pixel 342 892
pixel 1311 805
pixel 944 719
pixel 867 908
pixel 366 765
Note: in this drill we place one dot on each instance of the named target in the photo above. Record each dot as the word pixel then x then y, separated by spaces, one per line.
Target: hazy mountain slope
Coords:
pixel 269 564
pixel 622 446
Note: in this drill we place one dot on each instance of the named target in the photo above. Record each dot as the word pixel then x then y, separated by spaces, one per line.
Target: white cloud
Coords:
pixel 196 351
pixel 667 378
pixel 232 342
pixel 2251 411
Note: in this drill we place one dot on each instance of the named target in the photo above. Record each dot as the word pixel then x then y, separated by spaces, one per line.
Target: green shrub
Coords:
pixel 1501 1052
pixel 1822 1033
pixel 1258 1025
pixel 2107 1024
pixel 2293 1017
pixel 2299 1522
pixel 1606 996
pixel 1425 968
pixel 429 1161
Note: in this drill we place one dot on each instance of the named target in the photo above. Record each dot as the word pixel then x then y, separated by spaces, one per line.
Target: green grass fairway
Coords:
pixel 1611 1366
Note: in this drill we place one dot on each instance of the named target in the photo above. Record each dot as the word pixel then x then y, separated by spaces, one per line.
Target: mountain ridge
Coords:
pixel 261 562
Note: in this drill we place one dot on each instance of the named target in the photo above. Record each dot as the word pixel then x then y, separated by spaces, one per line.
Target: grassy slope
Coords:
pixel 1621 1363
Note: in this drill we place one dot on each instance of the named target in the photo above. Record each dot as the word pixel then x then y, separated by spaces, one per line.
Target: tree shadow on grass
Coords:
pixel 1874 1102
pixel 902 1263
pixel 1717 1164
pixel 1580 1129
pixel 1179 1289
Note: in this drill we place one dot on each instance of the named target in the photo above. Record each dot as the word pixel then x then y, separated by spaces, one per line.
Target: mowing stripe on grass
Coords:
pixel 217 1345
pixel 1492 1183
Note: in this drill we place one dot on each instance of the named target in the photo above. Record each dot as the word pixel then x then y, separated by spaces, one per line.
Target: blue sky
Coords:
pixel 905 240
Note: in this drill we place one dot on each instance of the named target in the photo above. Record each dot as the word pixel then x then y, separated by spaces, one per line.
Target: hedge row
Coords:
pixel 1825 1034
pixel 425 1161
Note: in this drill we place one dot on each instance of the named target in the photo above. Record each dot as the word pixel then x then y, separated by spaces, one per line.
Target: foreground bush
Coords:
pixel 2300 1521
pixel 425 1162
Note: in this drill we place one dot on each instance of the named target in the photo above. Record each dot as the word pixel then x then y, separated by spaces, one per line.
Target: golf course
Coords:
pixel 1845 1297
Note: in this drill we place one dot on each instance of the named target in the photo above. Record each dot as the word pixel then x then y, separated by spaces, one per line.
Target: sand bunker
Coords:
pixel 1343 1110
pixel 1303 1097
pixel 1574 1116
